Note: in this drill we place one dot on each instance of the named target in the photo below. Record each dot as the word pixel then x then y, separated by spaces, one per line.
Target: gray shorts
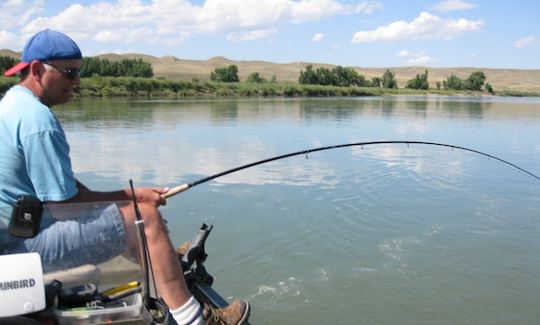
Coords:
pixel 94 233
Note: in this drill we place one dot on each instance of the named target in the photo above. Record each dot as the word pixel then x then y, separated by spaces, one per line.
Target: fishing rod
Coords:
pixel 181 188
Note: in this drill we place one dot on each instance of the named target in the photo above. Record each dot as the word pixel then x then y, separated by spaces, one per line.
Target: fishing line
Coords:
pixel 181 188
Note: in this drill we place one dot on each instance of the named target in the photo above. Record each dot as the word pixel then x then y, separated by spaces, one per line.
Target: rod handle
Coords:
pixel 175 190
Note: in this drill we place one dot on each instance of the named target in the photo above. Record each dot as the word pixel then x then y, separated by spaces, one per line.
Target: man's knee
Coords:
pixel 154 225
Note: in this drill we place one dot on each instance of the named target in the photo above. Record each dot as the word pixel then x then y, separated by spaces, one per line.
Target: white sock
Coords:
pixel 189 313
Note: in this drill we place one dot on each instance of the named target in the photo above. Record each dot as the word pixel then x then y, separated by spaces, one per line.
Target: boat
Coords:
pixel 119 290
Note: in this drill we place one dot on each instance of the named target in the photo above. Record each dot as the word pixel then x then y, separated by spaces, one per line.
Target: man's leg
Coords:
pixel 169 276
pixel 71 242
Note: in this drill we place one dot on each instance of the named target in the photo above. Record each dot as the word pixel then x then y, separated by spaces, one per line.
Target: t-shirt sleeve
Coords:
pixel 49 166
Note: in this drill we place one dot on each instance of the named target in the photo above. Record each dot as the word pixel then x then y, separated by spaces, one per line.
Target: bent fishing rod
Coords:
pixel 181 188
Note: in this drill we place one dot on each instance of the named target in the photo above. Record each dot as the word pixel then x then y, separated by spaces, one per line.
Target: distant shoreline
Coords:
pixel 162 88
pixel 504 81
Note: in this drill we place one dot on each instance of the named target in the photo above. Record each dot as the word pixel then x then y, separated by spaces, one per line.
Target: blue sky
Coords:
pixel 391 33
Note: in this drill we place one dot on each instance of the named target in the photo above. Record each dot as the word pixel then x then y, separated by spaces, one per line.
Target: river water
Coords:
pixel 385 234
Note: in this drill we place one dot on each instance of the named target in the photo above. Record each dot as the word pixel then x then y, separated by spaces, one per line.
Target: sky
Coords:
pixel 392 33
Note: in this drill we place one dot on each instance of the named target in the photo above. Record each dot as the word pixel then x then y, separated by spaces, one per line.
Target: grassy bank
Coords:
pixel 152 87
pixel 137 87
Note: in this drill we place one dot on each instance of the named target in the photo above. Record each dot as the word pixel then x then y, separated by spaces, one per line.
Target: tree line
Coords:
pixel 346 77
pixel 103 67
pixel 338 76
pixel 123 68
pixel 475 82
pixel 230 74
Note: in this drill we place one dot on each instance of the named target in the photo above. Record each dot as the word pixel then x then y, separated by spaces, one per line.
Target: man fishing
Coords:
pixel 35 161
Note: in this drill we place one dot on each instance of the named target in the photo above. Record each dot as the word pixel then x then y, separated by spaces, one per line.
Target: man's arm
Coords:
pixel 151 195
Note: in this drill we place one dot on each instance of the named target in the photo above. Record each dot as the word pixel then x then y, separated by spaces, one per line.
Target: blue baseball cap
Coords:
pixel 46 45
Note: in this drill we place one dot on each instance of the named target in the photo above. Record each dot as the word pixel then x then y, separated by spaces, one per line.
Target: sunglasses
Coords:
pixel 70 73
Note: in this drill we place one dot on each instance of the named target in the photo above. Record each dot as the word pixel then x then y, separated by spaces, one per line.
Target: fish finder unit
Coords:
pixel 21 287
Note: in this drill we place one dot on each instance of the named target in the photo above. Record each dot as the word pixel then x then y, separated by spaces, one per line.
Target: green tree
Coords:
pixel 358 79
pixel 341 77
pixel 453 82
pixel 345 77
pixel 338 76
pixel 376 82
pixel 255 77
pixel 475 81
pixel 389 80
pixel 228 74
pixel 232 73
pixel 7 62
pixel 489 88
pixel 308 77
pixel 326 76
pixel 124 68
pixel 419 82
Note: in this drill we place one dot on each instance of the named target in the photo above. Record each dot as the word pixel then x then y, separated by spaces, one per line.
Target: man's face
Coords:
pixel 57 82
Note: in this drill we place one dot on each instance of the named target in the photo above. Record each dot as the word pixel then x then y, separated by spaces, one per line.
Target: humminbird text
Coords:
pixel 17 284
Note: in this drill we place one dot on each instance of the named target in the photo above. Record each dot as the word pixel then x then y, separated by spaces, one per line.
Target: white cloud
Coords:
pixel 520 43
pixel 8 40
pixel 18 12
pixel 317 37
pixel 421 60
pixel 451 5
pixel 368 7
pixel 251 35
pixel 425 26
pixel 171 21
pixel 405 54
pixel 416 58
pixel 15 14
pixel 127 35
pixel 310 10
pixel 100 22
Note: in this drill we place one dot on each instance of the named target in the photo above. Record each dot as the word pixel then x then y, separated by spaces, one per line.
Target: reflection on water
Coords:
pixel 324 108
pixel 389 234
pixel 104 113
pixel 165 138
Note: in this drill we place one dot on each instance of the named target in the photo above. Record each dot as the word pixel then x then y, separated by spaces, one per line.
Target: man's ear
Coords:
pixel 36 69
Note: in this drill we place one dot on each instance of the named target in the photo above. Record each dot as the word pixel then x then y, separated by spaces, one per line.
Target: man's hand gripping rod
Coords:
pixel 175 190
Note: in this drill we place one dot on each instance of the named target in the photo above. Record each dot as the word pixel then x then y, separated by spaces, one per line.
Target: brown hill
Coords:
pixel 10 53
pixel 182 69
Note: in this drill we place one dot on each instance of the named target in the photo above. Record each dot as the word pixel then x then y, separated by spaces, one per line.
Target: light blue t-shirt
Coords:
pixel 34 153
